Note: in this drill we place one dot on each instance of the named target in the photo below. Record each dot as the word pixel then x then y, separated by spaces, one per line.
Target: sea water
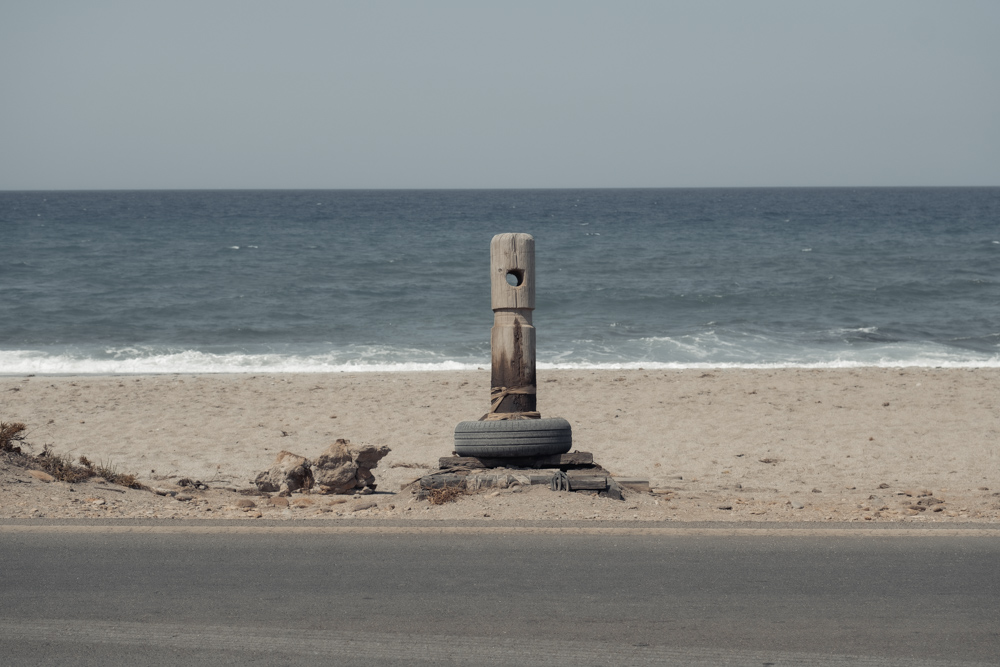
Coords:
pixel 329 280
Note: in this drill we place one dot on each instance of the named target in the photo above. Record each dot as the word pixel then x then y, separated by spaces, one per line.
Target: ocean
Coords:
pixel 330 280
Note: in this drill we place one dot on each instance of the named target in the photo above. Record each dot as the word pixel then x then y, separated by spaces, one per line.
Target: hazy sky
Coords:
pixel 243 94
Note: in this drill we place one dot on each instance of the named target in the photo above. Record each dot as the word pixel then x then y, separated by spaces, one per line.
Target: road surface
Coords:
pixel 362 594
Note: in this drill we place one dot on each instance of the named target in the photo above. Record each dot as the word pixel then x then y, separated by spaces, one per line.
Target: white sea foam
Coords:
pixel 17 362
pixel 20 362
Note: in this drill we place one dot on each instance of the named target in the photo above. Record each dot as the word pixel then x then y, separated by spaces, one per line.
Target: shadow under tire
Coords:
pixel 513 438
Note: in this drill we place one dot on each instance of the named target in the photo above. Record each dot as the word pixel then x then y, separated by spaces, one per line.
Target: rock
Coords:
pixel 162 492
pixel 796 505
pixel 817 491
pixel 42 476
pixel 344 467
pixel 883 485
pixel 277 501
pixel 183 497
pixel 245 503
pixel 367 505
pixel 725 507
pixel 289 472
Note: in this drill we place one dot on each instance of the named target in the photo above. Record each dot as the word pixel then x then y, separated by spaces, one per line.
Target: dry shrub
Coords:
pixel 59 466
pixel 446 494
pixel 9 434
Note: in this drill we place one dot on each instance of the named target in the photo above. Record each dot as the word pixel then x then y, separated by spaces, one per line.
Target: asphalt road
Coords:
pixel 170 594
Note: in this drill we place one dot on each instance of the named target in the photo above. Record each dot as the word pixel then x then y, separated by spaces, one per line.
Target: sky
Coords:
pixel 541 94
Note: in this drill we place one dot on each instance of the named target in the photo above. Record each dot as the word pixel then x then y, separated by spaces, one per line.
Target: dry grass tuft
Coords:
pixel 59 466
pixel 446 494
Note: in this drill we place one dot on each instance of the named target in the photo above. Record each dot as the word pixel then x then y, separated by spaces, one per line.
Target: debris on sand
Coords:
pixel 342 468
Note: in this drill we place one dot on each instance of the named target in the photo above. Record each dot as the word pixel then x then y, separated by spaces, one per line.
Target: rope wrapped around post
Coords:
pixel 497 394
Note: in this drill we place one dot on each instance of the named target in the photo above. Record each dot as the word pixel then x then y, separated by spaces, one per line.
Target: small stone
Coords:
pixel 245 503
pixel 796 505
pixel 42 476
pixel 367 505
pixel 98 501
pixel 816 491
pixel 277 501
pixel 725 507
pixel 883 485
pixel 183 497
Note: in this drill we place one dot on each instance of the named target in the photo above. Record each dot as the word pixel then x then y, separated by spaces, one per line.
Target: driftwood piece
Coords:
pixel 440 481
pixel 561 461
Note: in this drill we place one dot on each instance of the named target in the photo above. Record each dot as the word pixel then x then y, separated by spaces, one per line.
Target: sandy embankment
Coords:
pixel 833 436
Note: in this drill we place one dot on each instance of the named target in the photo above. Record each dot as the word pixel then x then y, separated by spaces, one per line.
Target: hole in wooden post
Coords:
pixel 515 277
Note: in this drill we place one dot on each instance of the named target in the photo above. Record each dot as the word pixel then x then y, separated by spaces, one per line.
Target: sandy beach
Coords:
pixel 773 445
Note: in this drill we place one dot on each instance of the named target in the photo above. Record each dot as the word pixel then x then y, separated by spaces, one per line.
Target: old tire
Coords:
pixel 513 438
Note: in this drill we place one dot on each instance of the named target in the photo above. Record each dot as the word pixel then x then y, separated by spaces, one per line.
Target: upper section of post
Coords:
pixel 512 271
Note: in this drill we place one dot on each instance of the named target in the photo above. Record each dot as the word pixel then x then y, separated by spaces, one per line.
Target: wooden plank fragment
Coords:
pixel 540 478
pixel 590 482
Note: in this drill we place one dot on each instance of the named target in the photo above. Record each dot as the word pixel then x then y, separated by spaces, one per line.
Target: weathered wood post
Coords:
pixel 512 339
pixel 513 428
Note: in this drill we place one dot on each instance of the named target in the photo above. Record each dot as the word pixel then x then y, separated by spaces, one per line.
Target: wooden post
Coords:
pixel 512 339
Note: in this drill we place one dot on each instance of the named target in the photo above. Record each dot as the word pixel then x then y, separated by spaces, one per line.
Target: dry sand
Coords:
pixel 774 445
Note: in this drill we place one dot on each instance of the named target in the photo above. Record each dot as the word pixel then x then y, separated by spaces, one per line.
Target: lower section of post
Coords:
pixel 512 341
